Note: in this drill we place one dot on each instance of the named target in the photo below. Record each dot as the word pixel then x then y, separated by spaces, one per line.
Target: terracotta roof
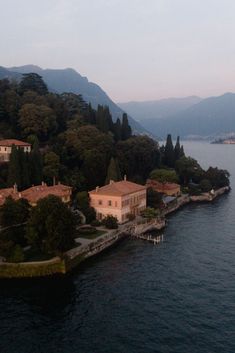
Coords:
pixel 35 193
pixel 119 188
pixel 162 186
pixel 4 193
pixel 11 142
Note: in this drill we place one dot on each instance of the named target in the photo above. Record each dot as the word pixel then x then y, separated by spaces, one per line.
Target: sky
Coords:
pixel 135 50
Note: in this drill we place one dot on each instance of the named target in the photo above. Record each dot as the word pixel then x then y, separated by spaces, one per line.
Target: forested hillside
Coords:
pixel 72 142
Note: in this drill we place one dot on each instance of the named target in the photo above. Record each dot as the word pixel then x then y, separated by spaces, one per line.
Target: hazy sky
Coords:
pixel 134 49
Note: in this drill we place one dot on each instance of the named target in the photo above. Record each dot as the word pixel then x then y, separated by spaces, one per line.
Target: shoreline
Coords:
pixel 72 258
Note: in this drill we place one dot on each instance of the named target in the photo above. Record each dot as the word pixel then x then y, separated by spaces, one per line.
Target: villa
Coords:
pixel 118 199
pixel 36 193
pixel 6 148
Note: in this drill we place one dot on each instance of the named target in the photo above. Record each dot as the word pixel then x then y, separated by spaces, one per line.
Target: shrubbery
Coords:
pixel 110 222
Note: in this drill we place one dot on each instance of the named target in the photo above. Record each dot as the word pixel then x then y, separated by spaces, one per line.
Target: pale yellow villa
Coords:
pixel 6 148
pixel 118 199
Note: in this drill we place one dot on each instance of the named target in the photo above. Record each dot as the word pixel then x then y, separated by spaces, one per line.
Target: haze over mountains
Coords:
pixel 69 80
pixel 186 116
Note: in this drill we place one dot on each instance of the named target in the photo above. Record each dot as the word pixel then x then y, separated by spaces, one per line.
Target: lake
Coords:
pixel 178 296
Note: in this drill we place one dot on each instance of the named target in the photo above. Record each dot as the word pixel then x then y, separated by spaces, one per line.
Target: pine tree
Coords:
pixel 169 152
pixel 113 172
pixel 126 129
pixel 33 82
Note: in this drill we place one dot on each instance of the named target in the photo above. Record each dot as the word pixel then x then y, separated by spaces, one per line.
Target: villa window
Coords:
pixel 116 205
pixel 110 203
pixel 100 202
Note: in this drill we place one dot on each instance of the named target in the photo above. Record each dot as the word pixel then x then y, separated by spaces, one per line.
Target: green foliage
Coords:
pixel 217 177
pixel 125 129
pixel 164 175
pixel 14 212
pixel 113 171
pixel 154 198
pixel 188 170
pixel 51 226
pixel 110 222
pixel 169 157
pixel 149 213
pixel 16 255
pixel 138 156
pixel 33 82
pixel 51 166
pixel 82 203
pixel 14 171
pixel 39 120
pixel 205 185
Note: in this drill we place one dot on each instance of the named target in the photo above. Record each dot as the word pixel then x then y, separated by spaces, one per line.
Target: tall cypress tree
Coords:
pixel 14 171
pixel 24 169
pixel 118 130
pixel 36 165
pixel 169 152
pixel 177 149
pixel 126 129
pixel 113 172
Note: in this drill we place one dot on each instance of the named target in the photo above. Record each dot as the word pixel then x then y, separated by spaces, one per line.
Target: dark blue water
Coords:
pixel 176 297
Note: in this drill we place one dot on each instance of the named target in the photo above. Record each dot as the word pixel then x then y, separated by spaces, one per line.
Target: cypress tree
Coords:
pixel 113 172
pixel 126 129
pixel 182 154
pixel 36 164
pixel 177 149
pixel 14 171
pixel 169 152
pixel 118 130
pixel 24 169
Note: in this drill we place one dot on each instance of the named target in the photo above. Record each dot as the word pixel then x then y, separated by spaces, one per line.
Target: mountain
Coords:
pixel 68 80
pixel 208 117
pixel 158 109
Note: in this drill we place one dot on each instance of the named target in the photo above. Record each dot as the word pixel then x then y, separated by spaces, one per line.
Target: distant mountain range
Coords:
pixel 69 80
pixel 187 117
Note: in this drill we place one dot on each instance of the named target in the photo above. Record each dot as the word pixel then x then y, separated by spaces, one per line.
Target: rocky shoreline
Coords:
pixel 73 257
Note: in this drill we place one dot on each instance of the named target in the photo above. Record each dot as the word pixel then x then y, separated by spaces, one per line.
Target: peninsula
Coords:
pixel 73 181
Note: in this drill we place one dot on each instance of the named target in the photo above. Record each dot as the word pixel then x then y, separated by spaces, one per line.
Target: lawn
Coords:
pixel 91 235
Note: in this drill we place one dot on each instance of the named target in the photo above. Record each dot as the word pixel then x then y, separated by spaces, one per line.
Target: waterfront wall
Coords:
pixel 32 269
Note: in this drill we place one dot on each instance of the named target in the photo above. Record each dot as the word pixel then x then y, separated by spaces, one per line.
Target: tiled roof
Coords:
pixel 161 186
pixel 4 193
pixel 11 142
pixel 119 188
pixel 35 193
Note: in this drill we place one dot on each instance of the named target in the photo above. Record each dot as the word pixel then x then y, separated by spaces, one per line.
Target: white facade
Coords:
pixel 5 151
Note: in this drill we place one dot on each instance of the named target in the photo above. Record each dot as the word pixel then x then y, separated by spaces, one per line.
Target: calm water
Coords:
pixel 176 297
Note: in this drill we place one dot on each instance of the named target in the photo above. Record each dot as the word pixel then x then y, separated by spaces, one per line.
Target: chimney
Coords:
pixel 20 195
pixel 111 181
pixel 97 188
pixel 125 177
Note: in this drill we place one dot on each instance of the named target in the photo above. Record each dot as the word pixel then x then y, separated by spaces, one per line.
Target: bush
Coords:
pixel 149 213
pixel 17 254
pixel 205 185
pixel 96 223
pixel 131 217
pixel 110 222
